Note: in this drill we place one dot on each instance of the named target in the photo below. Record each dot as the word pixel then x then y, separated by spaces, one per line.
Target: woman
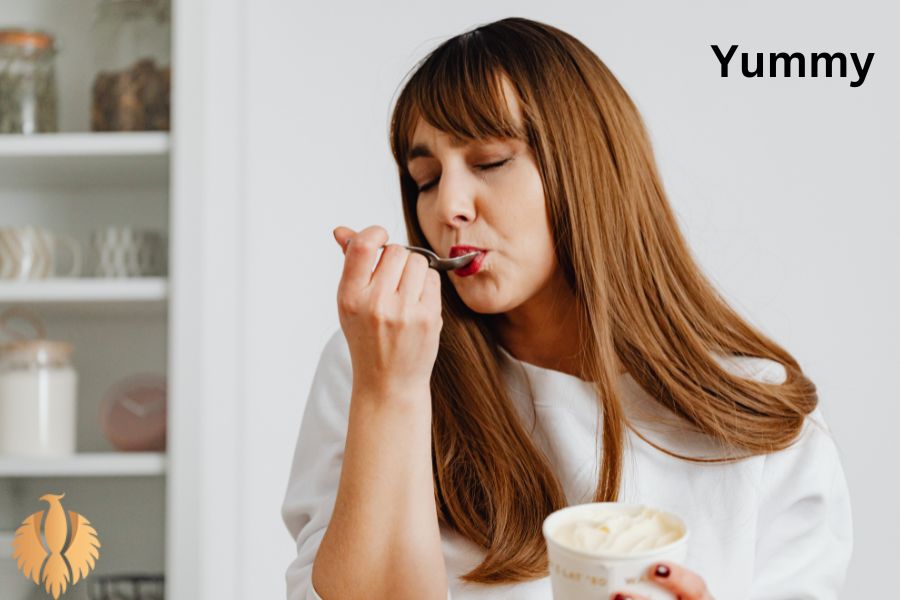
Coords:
pixel 581 357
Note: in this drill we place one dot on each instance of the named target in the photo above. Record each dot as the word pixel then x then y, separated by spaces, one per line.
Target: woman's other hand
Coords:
pixel 391 317
pixel 683 583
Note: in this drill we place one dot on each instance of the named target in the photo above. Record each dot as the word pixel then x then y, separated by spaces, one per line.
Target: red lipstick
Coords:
pixel 474 266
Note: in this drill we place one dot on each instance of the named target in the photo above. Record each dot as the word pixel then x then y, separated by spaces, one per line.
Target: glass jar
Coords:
pixel 28 101
pixel 37 399
pixel 131 86
pixel 37 391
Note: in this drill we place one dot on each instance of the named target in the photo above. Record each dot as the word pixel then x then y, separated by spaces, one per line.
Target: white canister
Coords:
pixel 38 387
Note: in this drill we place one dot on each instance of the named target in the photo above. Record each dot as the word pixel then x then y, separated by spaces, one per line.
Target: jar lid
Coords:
pixel 32 40
pixel 40 350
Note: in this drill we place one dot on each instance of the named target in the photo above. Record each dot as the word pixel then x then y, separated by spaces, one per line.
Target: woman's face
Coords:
pixel 485 194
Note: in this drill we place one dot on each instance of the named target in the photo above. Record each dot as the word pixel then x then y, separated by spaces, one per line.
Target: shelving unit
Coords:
pixel 74 182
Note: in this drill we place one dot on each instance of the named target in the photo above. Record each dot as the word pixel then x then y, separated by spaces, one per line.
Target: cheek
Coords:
pixel 425 222
pixel 538 266
pixel 530 259
pixel 527 207
pixel 534 241
pixel 527 223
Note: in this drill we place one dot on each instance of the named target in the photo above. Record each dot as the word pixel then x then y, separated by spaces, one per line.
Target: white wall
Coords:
pixel 782 187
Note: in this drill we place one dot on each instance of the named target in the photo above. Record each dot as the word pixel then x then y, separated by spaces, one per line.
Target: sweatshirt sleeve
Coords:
pixel 316 468
pixel 805 535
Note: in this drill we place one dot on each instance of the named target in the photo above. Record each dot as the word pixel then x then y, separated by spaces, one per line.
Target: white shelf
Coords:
pixel 84 160
pixel 88 464
pixel 90 295
pixel 138 143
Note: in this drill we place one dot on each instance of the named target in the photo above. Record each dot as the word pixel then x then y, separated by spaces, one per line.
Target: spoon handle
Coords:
pixel 434 261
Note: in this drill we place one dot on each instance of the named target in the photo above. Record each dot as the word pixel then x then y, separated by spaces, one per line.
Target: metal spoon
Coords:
pixel 443 264
pixel 436 262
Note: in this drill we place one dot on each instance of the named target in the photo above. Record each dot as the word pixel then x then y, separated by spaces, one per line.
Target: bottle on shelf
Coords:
pixel 131 51
pixel 28 96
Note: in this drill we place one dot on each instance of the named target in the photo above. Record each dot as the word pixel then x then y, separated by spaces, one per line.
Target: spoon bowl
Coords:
pixel 443 264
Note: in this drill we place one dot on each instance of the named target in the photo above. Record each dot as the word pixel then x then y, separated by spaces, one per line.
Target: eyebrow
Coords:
pixel 421 150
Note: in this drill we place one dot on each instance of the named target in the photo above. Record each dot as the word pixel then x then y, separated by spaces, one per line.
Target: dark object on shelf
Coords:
pixel 126 586
pixel 28 101
pixel 136 99
pixel 132 81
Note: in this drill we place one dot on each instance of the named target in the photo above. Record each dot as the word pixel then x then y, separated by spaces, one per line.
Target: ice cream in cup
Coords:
pixel 598 548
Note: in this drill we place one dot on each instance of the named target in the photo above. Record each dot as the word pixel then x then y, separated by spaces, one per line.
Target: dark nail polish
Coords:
pixel 622 597
pixel 662 571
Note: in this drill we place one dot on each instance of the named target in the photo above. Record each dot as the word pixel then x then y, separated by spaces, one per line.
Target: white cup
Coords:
pixel 31 253
pixel 577 574
pixel 124 251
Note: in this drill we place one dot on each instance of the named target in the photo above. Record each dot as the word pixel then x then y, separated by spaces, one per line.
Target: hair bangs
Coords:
pixel 457 89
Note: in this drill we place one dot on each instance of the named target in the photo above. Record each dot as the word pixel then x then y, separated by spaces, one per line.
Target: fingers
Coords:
pixel 360 254
pixel 685 584
pixel 342 235
pixel 680 582
pixel 413 278
pixel 431 291
pixel 398 270
pixel 386 277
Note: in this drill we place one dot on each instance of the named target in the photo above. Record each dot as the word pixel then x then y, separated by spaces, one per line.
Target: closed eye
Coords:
pixel 493 164
pixel 484 167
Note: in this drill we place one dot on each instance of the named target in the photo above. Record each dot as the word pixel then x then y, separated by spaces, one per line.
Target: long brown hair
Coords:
pixel 641 297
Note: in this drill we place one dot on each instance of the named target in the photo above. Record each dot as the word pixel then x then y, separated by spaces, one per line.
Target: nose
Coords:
pixel 455 200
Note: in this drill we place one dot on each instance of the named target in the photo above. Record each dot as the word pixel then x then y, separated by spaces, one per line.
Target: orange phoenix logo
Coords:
pixel 71 540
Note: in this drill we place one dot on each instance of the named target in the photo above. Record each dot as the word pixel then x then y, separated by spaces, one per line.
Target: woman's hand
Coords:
pixel 391 317
pixel 684 584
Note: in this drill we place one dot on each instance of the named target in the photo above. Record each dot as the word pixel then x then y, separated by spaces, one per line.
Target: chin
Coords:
pixel 484 302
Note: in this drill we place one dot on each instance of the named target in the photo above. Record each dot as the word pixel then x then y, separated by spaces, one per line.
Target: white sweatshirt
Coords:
pixel 773 527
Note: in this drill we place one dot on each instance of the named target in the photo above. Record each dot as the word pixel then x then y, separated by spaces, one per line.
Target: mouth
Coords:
pixel 474 266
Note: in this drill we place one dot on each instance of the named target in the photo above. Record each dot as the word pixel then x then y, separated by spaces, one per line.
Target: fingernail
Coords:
pixel 662 571
pixel 621 597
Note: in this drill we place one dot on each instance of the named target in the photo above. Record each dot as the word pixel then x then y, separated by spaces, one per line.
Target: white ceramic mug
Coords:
pixel 589 575
pixel 123 251
pixel 31 253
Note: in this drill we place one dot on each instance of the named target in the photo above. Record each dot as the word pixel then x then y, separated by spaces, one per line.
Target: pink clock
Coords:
pixel 133 413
